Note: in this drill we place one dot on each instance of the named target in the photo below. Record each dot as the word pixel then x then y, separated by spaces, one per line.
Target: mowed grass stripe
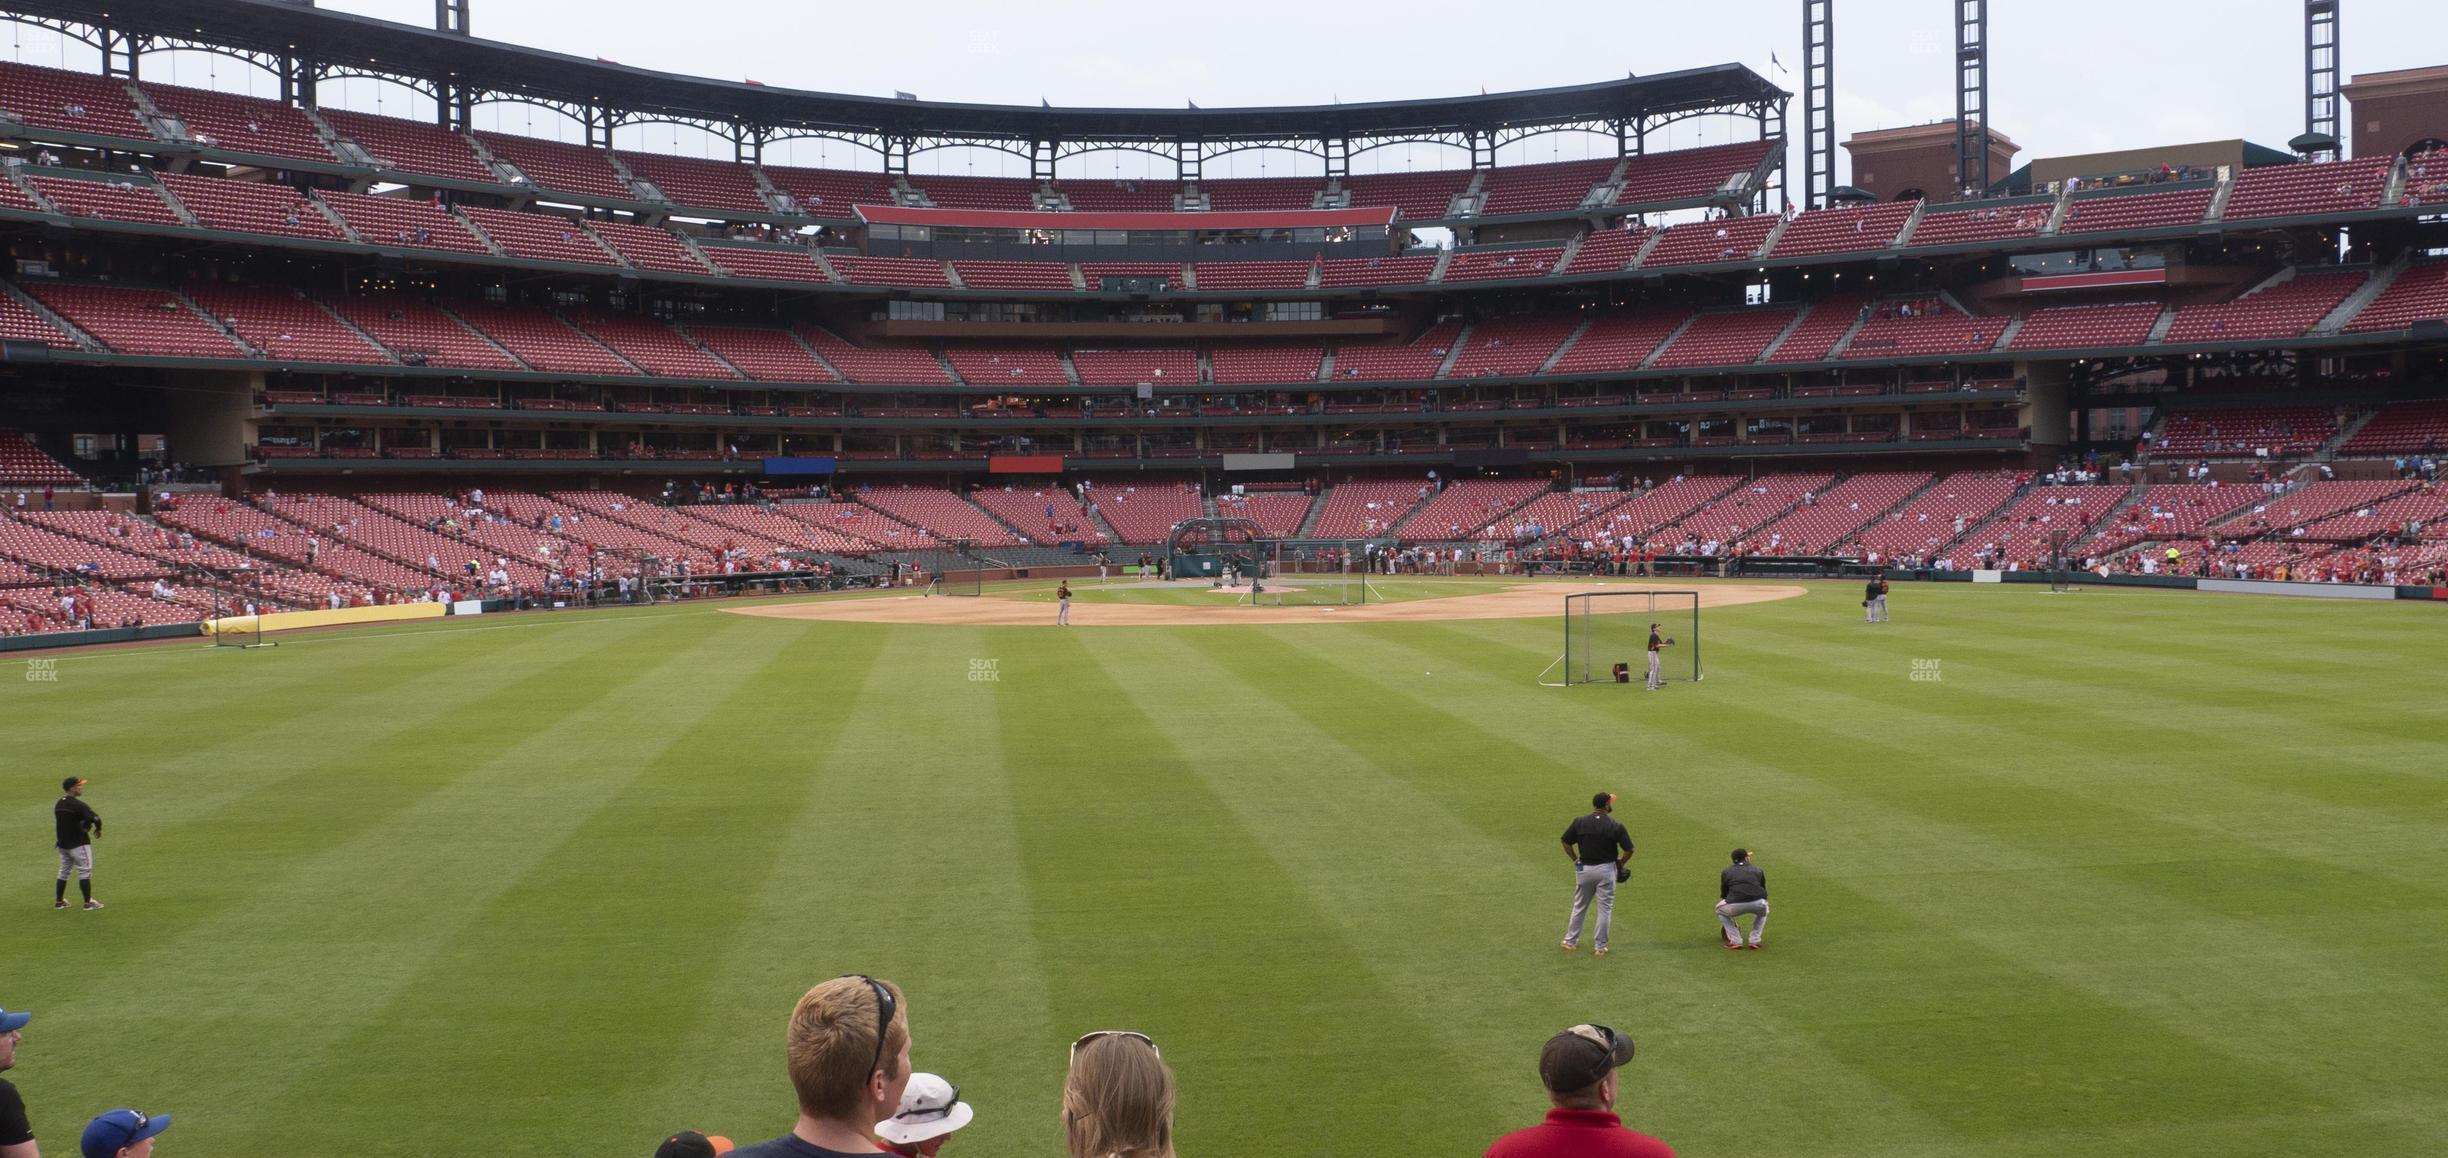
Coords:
pixel 395 903
pixel 1489 845
pixel 1160 909
pixel 2010 878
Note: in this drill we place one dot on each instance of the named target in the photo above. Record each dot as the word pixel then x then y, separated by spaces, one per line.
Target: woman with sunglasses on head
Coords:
pixel 1118 1099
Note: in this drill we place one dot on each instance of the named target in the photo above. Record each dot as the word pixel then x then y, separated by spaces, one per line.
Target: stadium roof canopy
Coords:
pixel 338 43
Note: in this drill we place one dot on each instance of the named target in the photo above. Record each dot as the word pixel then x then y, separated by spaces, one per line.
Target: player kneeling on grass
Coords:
pixel 1578 1068
pixel 1742 888
pixel 122 1134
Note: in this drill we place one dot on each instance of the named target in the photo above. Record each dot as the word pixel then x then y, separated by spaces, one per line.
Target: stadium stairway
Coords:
pixel 1566 345
pixel 1672 337
pixel 2328 451
pixel 2218 201
pixel 81 338
pixel 2057 213
pixel 1436 273
pixel 1454 351
pixel 2166 322
pixel 1935 479
pixel 2364 295
pixel 1794 323
pixel 1317 510
pixel 2006 336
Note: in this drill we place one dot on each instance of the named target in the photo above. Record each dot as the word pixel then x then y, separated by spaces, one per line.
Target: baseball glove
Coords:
pixel 1623 872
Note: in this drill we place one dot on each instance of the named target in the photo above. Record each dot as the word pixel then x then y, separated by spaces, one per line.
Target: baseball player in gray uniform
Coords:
pixel 1599 849
pixel 1742 888
pixel 1656 641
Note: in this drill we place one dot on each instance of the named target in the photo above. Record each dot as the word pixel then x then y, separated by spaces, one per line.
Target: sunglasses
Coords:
pixel 929 1115
pixel 1130 1033
pixel 1604 1037
pixel 885 1005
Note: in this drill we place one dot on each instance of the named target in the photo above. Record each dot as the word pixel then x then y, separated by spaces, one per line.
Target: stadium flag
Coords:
pixel 1774 63
pixel 904 96
pixel 752 81
pixel 605 60
pixel 1194 104
pixel 1044 103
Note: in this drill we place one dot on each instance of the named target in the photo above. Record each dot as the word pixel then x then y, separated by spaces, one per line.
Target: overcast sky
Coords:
pixel 2067 76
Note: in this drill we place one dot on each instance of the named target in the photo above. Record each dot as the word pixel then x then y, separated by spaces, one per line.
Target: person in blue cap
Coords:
pixel 16 1134
pixel 122 1134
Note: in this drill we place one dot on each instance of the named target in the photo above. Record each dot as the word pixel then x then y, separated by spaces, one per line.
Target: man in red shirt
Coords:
pixel 1578 1067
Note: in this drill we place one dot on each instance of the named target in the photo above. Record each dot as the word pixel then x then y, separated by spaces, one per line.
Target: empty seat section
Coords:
pixel 1711 242
pixel 855 528
pixel 1130 367
pixel 1607 251
pixel 1414 196
pixel 1466 505
pixel 1734 338
pixel 543 341
pixel 1014 275
pixel 2284 310
pixel 2309 504
pixel 147 322
pixel 892 271
pixel 648 248
pixel 2087 327
pixel 940 513
pixel 1265 365
pixel 2402 427
pixel 2302 190
pixel 1230 194
pixel 1251 275
pixel 2163 512
pixel 21 324
pixel 1094 272
pixel 241 124
pixel 830 192
pixel 1619 340
pixel 2420 294
pixel 2100 213
pixel 2244 431
pixel 412 146
pixel 1846 229
pixel 1923 328
pixel 1143 514
pixel 2427 506
pixel 654 346
pixel 565 168
pixel 1643 515
pixel 1834 516
pixel 116 200
pixel 1951 507
pixel 1091 195
pixel 1689 174
pixel 1280 512
pixel 765 355
pixel 1512 346
pixel 699 182
pixel 1367 508
pixel 947 191
pixel 74 102
pixel 1501 265
pixel 540 236
pixel 422 335
pixel 767 262
pixel 401 223
pixel 1008 365
pixel 1755 502
pixel 1549 514
pixel 1350 271
pixel 284 324
pixel 251 207
pixel 1549 188
pixel 1816 337
pixel 887 365
pixel 1416 360
pixel 1988 223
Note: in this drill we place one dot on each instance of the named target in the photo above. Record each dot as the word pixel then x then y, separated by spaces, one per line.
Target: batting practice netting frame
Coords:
pixel 232 625
pixel 1606 628
pixel 964 570
pixel 1314 573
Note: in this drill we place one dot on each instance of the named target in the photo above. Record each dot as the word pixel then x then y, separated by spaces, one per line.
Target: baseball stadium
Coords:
pixel 572 608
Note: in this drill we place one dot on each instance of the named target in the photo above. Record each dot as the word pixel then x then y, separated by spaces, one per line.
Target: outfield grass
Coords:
pixel 2139 873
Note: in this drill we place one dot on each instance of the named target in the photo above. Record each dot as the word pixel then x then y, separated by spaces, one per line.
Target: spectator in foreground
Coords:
pixel 1578 1067
pixel 930 1111
pixel 122 1134
pixel 1118 1098
pixel 691 1144
pixel 848 1048
pixel 16 1133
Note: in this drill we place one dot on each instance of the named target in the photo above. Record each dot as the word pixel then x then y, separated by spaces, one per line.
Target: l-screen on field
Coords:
pixel 2109 873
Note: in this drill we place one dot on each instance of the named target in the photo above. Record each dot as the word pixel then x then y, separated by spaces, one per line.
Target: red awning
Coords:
pixel 1032 219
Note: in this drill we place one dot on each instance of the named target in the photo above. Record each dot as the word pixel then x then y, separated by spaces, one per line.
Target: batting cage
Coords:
pixel 963 571
pixel 1236 557
pixel 1606 638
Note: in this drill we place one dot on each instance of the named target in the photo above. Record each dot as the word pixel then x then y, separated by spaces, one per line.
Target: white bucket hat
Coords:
pixel 930 1108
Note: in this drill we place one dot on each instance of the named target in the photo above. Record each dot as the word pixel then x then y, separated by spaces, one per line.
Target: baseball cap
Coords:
pixel 691 1144
pixel 115 1131
pixel 1580 1057
pixel 930 1108
pixel 72 782
pixel 1602 799
pixel 12 1022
